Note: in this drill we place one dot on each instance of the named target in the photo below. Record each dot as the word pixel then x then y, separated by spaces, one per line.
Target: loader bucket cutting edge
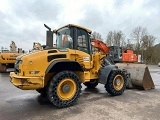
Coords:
pixel 138 75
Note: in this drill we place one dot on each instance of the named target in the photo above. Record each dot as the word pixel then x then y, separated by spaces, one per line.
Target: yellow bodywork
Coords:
pixel 6 58
pixel 26 83
pixel 32 73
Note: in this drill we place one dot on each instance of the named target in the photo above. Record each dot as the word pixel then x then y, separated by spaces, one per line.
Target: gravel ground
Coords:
pixel 94 104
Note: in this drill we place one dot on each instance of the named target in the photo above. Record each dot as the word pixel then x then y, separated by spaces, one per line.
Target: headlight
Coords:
pixel 16 66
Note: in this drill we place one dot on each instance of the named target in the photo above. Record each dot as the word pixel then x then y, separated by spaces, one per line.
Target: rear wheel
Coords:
pixel 92 84
pixel 64 89
pixel 116 83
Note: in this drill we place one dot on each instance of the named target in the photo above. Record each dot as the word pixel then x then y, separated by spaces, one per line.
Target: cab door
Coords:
pixel 83 48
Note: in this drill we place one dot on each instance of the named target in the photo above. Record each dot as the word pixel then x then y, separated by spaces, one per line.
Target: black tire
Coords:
pixel 64 89
pixel 116 83
pixel 42 91
pixel 92 84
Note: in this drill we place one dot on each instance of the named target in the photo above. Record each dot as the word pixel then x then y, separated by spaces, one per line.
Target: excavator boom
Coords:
pixel 101 46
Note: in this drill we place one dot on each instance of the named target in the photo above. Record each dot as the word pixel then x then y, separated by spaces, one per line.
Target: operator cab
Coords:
pixel 115 53
pixel 73 37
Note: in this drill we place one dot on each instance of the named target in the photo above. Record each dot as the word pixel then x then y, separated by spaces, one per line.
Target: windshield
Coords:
pixel 64 39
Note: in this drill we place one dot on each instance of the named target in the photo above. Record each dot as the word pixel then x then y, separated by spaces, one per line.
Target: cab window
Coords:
pixel 63 39
pixel 82 37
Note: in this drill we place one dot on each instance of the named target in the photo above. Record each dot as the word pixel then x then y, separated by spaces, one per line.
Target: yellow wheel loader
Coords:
pixel 8 57
pixel 59 72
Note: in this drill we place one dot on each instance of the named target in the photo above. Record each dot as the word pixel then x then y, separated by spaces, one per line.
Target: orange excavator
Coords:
pixel 115 52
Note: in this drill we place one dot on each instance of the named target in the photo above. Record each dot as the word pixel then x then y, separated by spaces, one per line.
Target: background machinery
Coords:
pixel 8 57
pixel 58 72
pixel 36 47
pixel 116 53
pixel 138 74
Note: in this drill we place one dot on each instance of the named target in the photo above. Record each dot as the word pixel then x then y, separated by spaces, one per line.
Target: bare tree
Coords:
pixel 141 42
pixel 109 39
pixel 119 38
pixel 137 34
pixel 144 43
pixel 147 48
pixel 156 54
pixel 128 45
pixel 115 38
pixel 147 41
pixel 96 35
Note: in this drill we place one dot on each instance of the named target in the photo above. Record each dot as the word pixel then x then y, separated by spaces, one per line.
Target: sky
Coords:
pixel 22 21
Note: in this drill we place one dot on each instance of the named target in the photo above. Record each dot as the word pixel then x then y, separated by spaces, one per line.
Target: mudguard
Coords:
pixel 67 64
pixel 104 73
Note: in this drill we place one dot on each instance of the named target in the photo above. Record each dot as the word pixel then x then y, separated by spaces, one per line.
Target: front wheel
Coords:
pixel 116 83
pixel 64 89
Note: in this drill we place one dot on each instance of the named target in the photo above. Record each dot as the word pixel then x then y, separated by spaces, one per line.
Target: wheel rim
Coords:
pixel 66 89
pixel 118 82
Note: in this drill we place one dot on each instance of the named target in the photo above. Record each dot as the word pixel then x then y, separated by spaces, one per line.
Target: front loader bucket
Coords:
pixel 138 75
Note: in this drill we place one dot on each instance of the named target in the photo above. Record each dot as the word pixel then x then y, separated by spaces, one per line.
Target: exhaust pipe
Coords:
pixel 138 75
pixel 49 37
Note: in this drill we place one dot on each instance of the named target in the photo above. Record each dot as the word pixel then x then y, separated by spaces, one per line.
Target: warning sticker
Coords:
pixel 86 59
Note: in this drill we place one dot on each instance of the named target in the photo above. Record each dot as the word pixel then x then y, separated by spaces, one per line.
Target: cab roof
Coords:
pixel 73 25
